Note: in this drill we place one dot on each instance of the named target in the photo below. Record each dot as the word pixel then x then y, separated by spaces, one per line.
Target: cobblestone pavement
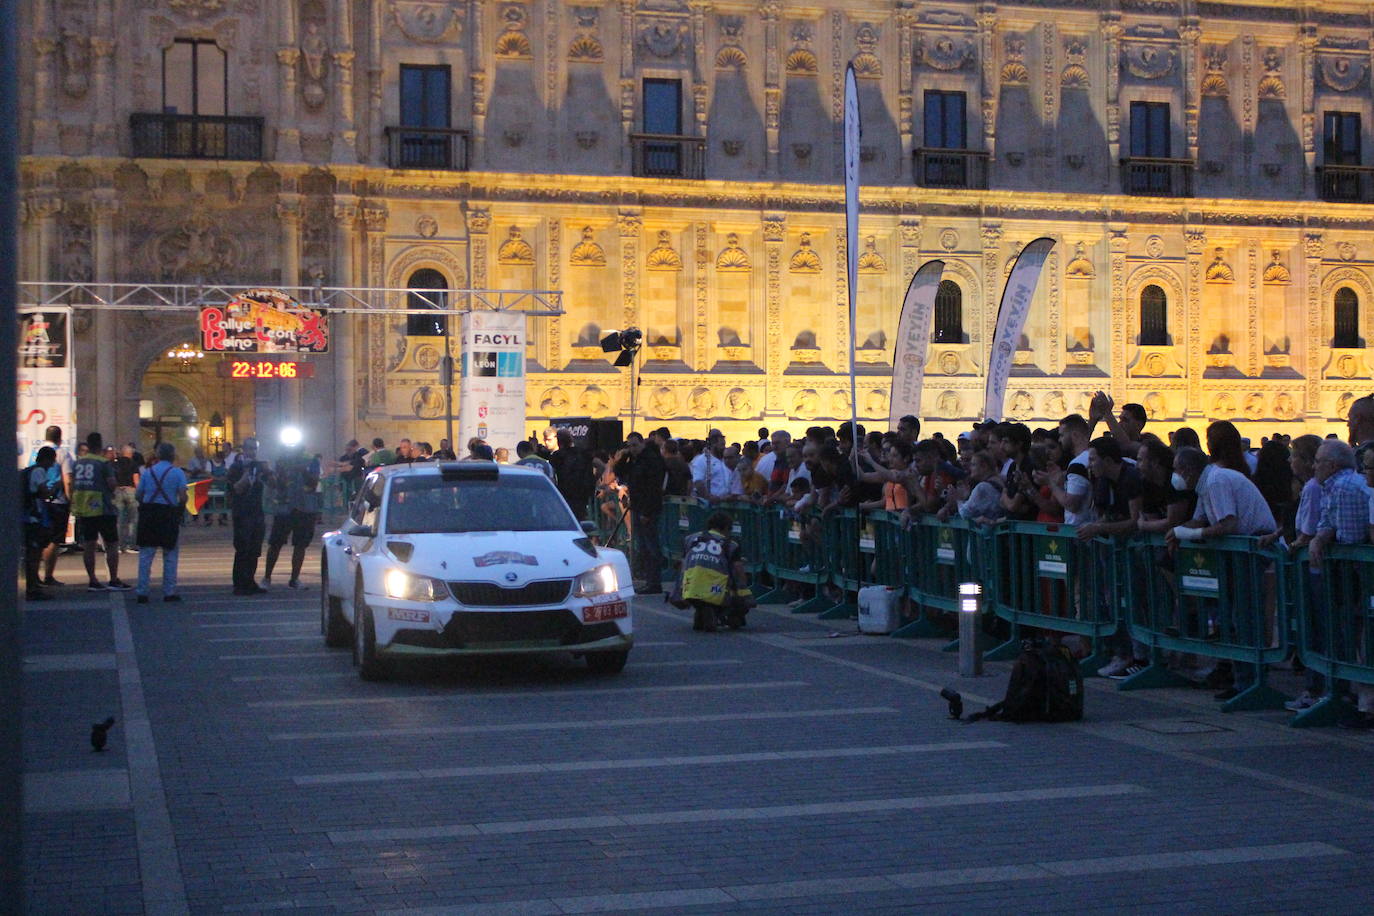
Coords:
pixel 784 769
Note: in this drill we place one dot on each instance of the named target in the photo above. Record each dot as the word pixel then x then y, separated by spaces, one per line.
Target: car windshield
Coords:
pixel 429 503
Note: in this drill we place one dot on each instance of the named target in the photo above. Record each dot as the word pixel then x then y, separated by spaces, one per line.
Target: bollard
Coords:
pixel 970 659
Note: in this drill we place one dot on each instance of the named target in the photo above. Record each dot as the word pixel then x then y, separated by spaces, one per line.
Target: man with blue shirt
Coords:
pixel 161 499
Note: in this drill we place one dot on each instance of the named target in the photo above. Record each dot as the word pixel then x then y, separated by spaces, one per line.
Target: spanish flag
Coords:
pixel 197 494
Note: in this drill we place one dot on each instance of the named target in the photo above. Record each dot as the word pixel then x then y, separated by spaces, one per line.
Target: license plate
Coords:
pixel 596 613
pixel 409 616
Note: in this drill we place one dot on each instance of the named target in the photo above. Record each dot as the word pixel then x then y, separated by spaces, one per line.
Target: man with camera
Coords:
pixel 247 480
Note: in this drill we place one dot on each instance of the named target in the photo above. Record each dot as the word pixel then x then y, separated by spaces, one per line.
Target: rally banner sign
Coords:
pixel 263 321
pixel 1011 320
pixel 853 133
pixel 913 342
pixel 492 386
pixel 46 378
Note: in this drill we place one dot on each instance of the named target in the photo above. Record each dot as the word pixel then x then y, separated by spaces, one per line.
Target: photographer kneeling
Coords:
pixel 713 577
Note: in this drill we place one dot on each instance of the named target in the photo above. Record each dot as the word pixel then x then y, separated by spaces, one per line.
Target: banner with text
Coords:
pixel 1011 320
pixel 913 342
pixel 46 378
pixel 263 321
pixel 492 387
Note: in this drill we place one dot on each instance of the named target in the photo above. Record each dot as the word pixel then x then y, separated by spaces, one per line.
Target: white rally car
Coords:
pixel 465 558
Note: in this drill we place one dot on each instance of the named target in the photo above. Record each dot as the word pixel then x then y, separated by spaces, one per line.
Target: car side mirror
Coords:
pixel 361 531
pixel 589 527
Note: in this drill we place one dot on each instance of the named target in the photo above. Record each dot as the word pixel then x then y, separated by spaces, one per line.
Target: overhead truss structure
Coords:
pixel 361 300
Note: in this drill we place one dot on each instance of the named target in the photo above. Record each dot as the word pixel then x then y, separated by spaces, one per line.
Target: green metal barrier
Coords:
pixel 749 530
pixel 890 544
pixel 793 556
pixel 674 524
pixel 1049 579
pixel 1223 599
pixel 940 555
pixel 1335 612
pixel 841 540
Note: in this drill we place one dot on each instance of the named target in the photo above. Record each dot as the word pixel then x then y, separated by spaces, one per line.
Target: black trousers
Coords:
pixel 648 558
pixel 249 530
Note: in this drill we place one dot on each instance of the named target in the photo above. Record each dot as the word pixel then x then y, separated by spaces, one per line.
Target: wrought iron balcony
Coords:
pixel 950 168
pixel 667 156
pixel 1352 184
pixel 175 136
pixel 1148 177
pixel 438 148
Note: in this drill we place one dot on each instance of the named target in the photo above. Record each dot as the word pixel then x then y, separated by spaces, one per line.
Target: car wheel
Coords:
pixel 370 666
pixel 332 624
pixel 608 662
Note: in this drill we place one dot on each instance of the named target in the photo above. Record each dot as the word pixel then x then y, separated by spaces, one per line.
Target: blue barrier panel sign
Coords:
pixel 1051 560
pixel 794 533
pixel 944 547
pixel 867 540
pixel 1198 576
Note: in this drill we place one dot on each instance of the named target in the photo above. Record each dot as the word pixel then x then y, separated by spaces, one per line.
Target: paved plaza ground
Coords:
pixel 789 768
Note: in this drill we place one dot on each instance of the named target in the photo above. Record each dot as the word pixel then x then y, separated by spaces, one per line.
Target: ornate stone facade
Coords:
pixel 738 275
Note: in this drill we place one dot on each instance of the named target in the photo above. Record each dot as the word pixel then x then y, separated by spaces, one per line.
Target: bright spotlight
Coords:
pixel 290 436
pixel 192 433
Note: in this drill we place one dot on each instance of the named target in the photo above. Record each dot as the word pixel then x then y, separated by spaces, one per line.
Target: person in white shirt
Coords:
pixel 711 476
pixel 780 440
pixel 1071 488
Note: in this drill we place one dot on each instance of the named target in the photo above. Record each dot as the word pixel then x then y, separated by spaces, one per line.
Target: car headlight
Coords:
pixel 598 581
pixel 401 584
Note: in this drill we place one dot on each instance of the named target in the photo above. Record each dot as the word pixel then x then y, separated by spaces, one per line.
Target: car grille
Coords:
pixel 476 629
pixel 532 594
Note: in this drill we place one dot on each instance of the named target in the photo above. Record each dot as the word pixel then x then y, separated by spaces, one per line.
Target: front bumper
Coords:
pixel 465 631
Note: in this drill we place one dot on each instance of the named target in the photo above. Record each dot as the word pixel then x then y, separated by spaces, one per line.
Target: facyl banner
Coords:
pixel 913 342
pixel 1011 320
pixel 46 378
pixel 492 386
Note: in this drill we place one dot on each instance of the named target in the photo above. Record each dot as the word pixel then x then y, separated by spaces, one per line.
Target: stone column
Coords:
pixel 1117 245
pixel 631 227
pixel 988 84
pixel 477 75
pixel 376 147
pixel 552 349
pixel 1253 286
pixel 44 205
pixel 345 128
pixel 774 233
pixel 341 326
pixel 1189 33
pixel 375 220
pixel 700 67
pixel 45 46
pixel 288 131
pixel 104 130
pixel 906 24
pixel 1194 241
pixel 289 213
pixel 701 297
pixel 772 85
pixel 627 76
pixel 992 291
pixel 479 225
pixel 1313 246
pixel 1111 32
pixel 108 398
pixel 1307 62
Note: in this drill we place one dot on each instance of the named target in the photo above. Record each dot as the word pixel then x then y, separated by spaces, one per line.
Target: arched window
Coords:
pixel 1154 317
pixel 1347 323
pixel 949 313
pixel 420 325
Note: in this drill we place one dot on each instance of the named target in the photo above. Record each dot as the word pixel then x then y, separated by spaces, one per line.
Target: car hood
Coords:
pixel 510 558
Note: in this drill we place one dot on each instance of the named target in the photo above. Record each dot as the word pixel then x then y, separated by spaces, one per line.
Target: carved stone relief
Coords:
pixel 515 250
pixel 739 404
pixel 587 253
pixel 1219 271
pixel 426 226
pixel 427 21
pixel 513 43
pixel 664 38
pixel 801 59
pixel 1080 268
pixel 1014 70
pixel 701 402
pixel 1276 272
pixel 1271 85
pixel 805 260
pixel 944 52
pixel 1154 247
pixel 314 53
pixel 1342 73
pixel 585 46
pixel 1075 75
pixel 870 261
pixel 1214 76
pixel 1149 61
pixel 663 256
pixel 731 55
pixel 663 403
pixel 76 61
pixel 867 64
pixel 732 256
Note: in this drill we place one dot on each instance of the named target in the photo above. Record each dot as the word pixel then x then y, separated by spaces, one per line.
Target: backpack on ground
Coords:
pixel 1045 686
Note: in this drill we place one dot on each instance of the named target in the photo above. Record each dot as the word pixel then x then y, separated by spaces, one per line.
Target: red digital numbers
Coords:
pixel 265 370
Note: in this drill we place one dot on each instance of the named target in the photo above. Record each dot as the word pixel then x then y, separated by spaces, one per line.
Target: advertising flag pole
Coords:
pixel 852 134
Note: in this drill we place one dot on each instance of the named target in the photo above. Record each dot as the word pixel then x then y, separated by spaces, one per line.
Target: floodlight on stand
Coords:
pixel 624 359
pixel 611 342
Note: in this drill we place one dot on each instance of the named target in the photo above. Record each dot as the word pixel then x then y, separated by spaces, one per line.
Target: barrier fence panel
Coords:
pixel 674 525
pixel 890 545
pixel 846 562
pixel 1049 579
pixel 938 557
pixel 796 553
pixel 749 531
pixel 1219 599
pixel 1335 611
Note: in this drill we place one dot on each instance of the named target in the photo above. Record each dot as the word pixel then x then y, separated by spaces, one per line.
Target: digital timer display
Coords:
pixel 265 370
